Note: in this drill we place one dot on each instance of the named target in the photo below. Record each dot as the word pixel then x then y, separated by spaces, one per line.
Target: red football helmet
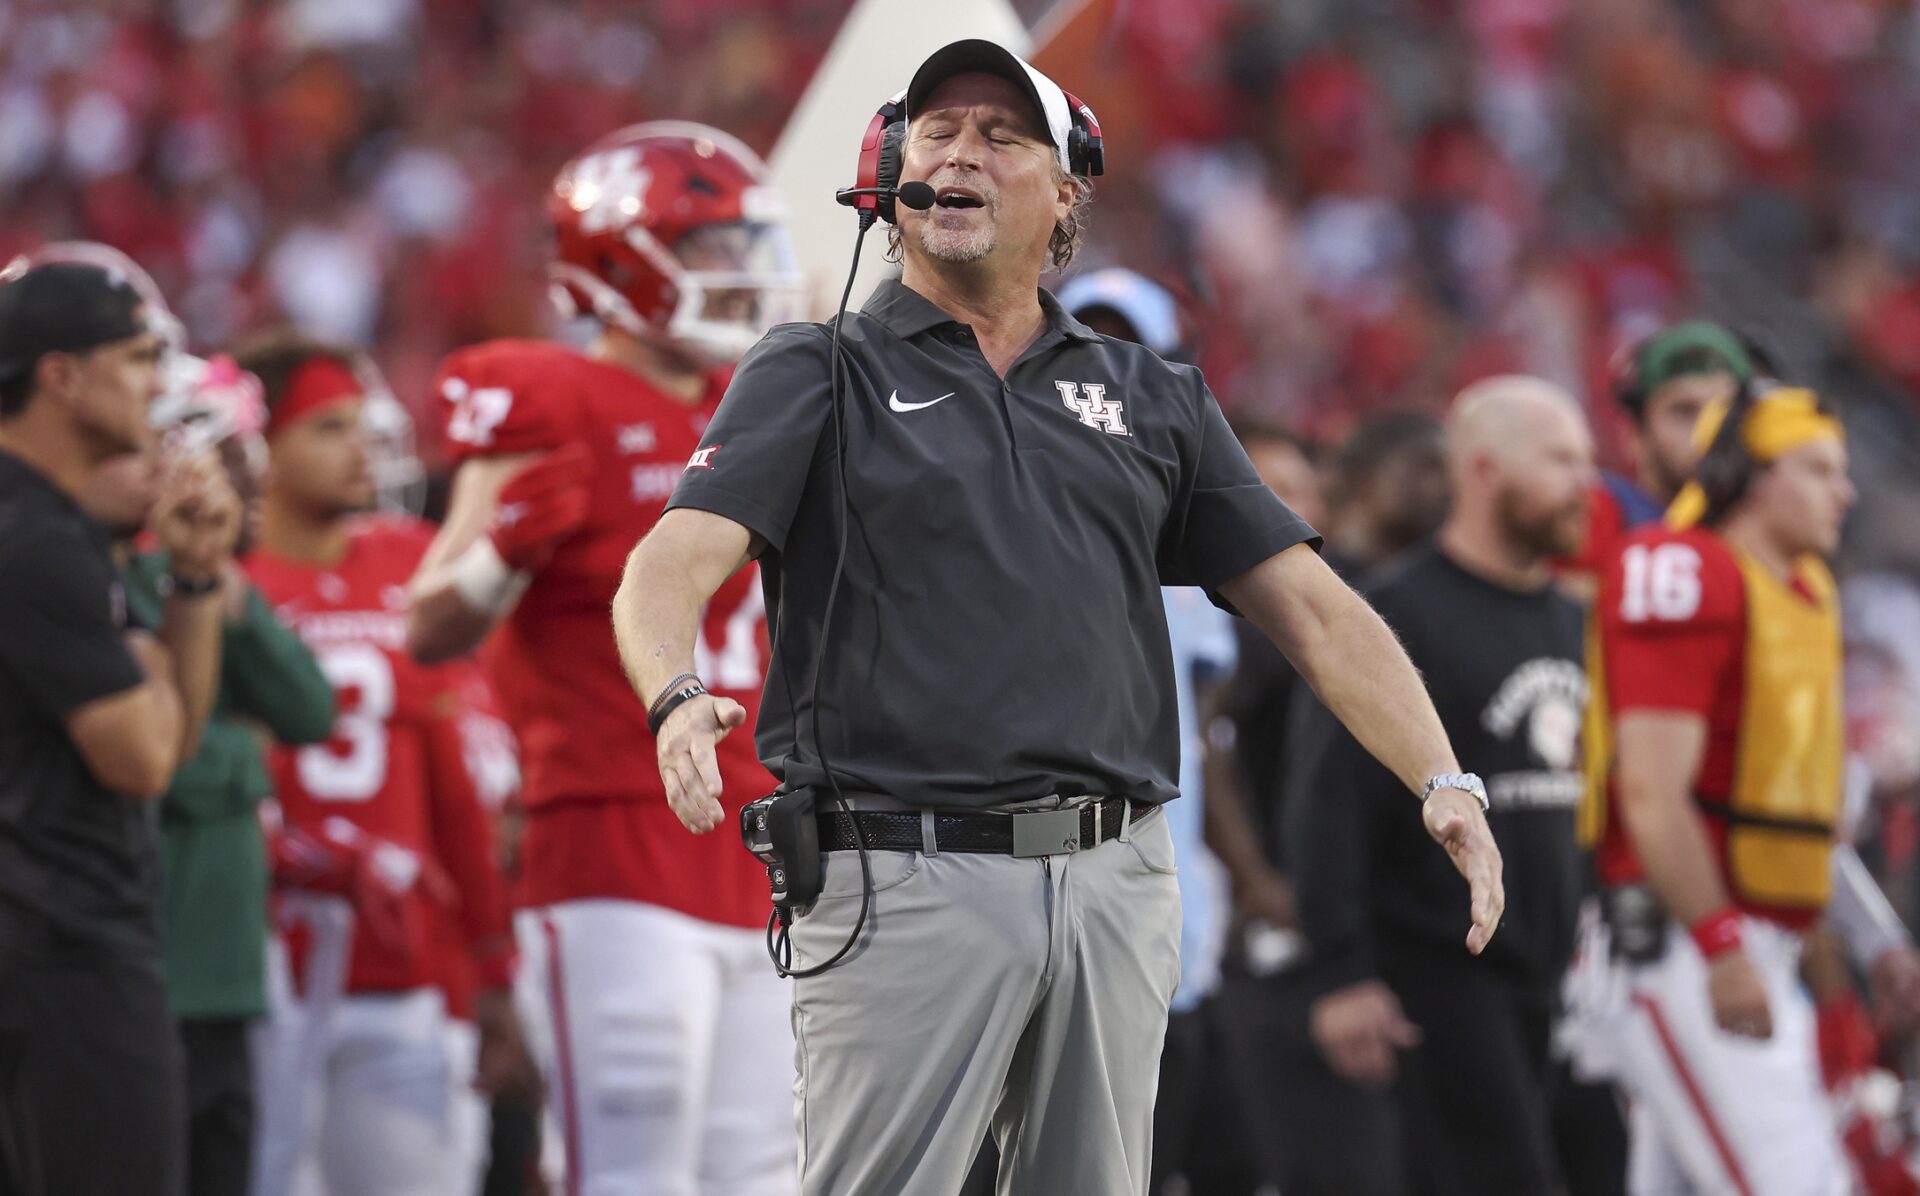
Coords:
pixel 669 229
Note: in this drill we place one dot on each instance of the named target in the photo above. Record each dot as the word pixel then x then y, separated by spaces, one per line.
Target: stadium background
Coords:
pixel 1366 203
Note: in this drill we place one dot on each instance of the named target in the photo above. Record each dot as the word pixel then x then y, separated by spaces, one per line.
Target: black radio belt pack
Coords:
pixel 783 832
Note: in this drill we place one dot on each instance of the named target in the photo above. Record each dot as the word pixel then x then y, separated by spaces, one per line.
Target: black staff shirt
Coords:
pixel 1507 670
pixel 998 633
pixel 79 864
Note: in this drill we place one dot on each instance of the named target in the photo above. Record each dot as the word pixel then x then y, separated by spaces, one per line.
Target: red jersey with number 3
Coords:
pixel 598 822
pixel 398 765
pixel 1673 633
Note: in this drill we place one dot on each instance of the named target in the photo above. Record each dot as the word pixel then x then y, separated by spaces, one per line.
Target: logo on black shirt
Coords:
pixel 1545 699
pixel 1089 401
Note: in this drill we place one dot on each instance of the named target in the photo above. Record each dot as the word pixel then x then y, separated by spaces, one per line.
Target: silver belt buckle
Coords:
pixel 1046 832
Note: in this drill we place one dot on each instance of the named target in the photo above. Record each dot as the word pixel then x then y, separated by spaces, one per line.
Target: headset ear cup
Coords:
pixel 1726 468
pixel 888 172
pixel 1723 474
pixel 1085 152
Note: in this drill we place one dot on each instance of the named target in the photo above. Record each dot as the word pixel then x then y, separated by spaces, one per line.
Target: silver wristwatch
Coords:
pixel 1457 780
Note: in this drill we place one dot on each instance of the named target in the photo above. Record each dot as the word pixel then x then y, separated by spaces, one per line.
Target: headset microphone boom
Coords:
pixel 917 195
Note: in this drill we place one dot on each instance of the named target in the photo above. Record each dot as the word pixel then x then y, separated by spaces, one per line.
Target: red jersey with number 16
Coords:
pixel 598 822
pixel 397 765
pixel 1689 626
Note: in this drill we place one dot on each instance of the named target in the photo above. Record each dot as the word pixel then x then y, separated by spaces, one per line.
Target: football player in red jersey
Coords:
pixel 393 781
pixel 663 1031
pixel 1720 646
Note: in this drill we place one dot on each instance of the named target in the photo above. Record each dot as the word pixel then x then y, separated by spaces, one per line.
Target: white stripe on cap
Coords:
pixel 1059 115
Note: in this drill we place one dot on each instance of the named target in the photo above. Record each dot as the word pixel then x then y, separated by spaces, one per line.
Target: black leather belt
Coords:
pixel 1026 833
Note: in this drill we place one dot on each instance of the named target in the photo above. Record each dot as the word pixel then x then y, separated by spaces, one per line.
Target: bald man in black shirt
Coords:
pixel 1463 1048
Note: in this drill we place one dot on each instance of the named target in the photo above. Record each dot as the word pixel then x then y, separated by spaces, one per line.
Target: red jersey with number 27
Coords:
pixel 598 822
pixel 398 765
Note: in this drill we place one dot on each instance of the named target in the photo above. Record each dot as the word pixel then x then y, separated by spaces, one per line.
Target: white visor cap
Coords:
pixel 991 58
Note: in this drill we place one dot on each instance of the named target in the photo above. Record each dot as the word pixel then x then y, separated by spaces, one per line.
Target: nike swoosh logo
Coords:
pixel 893 401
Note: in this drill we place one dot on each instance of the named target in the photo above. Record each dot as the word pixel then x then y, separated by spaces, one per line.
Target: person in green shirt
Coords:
pixel 214 864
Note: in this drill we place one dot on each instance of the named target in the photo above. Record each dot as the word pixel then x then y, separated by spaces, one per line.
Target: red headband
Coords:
pixel 317 382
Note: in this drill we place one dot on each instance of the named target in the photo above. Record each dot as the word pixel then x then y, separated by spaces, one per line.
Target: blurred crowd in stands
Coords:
pixel 1369 202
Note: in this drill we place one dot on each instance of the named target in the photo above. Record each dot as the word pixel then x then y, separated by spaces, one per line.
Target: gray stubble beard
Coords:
pixel 956 246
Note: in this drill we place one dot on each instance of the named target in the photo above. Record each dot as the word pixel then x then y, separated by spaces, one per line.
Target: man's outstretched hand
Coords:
pixel 1456 822
pixel 688 765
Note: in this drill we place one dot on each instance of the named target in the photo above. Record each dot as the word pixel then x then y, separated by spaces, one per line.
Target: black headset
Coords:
pixel 1726 468
pixel 874 184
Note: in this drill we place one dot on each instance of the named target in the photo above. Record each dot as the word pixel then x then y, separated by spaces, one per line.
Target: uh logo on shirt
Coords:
pixel 1089 401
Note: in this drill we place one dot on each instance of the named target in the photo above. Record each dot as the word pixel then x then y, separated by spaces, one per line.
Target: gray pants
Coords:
pixel 1028 996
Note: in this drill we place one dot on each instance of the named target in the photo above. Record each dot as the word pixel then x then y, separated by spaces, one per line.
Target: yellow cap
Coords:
pixel 1779 421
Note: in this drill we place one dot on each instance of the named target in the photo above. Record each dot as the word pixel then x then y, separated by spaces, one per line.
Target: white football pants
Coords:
pixel 667 1045
pixel 356 1096
pixel 1713 1114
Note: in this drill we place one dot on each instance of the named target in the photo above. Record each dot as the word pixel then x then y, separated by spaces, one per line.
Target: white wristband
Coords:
pixel 485 582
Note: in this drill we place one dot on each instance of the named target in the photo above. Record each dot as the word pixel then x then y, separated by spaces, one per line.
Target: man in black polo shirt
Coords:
pixel 93 719
pixel 996 695
pixel 1462 1045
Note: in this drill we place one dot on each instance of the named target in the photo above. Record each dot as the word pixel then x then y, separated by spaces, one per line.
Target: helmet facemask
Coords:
pixel 399 479
pixel 735 282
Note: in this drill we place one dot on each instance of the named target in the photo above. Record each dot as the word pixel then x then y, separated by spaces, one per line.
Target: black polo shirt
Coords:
pixel 999 633
pixel 79 863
